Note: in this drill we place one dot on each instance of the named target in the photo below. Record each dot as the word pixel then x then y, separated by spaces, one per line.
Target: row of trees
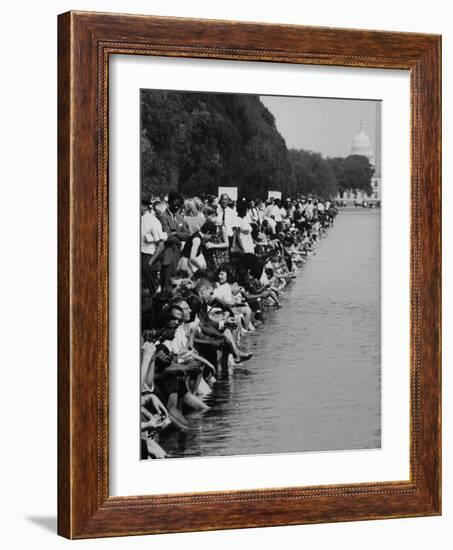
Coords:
pixel 327 177
pixel 196 142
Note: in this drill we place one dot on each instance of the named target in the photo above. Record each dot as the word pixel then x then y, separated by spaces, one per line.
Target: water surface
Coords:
pixel 314 382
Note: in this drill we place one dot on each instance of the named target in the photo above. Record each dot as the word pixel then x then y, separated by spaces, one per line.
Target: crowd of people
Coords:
pixel 210 269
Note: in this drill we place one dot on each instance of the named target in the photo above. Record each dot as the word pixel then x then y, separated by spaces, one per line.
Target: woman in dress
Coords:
pixel 244 229
pixel 193 253
pixel 217 249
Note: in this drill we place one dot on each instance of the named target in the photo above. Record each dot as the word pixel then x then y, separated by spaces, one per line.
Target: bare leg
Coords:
pixel 154 449
pixel 203 388
pixel 194 402
pixel 229 338
pixel 237 353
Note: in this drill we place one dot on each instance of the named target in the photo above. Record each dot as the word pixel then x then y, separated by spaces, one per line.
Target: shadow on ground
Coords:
pixel 49 523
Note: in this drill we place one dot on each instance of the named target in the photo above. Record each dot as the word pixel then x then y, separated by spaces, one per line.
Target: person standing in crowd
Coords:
pixel 278 215
pixel 177 232
pixel 273 213
pixel 152 246
pixel 192 216
pixel 217 249
pixel 255 214
pixel 290 208
pixel 299 218
pixel 269 207
pixel 244 229
pixel 226 216
pixel 283 212
pixel 320 206
pixel 309 209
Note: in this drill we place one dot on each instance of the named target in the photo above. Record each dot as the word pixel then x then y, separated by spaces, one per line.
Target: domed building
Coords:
pixel 362 145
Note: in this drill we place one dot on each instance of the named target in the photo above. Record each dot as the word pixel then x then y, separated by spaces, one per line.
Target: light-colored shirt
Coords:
pixel 224 294
pixel 264 279
pixel 255 215
pixel 274 210
pixel 272 224
pixel 180 342
pixel 245 235
pixel 309 211
pixel 227 217
pixel 151 233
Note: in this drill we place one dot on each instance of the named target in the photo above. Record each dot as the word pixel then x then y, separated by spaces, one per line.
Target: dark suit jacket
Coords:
pixel 177 231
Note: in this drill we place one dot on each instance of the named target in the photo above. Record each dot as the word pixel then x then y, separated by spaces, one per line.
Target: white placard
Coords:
pixel 232 192
pixel 274 195
pixel 129 475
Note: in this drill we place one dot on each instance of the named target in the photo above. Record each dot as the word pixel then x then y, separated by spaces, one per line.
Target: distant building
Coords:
pixel 361 145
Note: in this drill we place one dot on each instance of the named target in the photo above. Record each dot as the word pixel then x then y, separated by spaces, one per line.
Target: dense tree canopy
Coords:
pixel 196 142
pixel 352 172
pixel 312 174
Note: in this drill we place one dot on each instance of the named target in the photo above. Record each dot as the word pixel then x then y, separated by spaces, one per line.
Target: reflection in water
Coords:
pixel 314 381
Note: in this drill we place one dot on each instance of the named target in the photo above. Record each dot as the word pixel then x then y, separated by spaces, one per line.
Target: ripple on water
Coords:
pixel 314 382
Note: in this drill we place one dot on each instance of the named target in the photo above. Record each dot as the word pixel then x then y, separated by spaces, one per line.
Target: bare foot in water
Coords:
pixel 243 357
pixel 194 402
pixel 154 449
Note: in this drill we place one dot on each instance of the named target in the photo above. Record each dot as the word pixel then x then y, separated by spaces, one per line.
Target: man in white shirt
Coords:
pixel 284 215
pixel 269 207
pixel 309 208
pixel 151 246
pixel 273 210
pixel 226 216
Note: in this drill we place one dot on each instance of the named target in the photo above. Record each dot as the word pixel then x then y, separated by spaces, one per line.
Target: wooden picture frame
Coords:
pixel 85 41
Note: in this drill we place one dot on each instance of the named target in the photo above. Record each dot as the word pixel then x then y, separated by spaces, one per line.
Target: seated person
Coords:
pixel 280 268
pixel 275 283
pixel 292 250
pixel 179 282
pixel 224 293
pixel 211 329
pixel 253 286
pixel 183 348
pixel 173 379
pixel 154 416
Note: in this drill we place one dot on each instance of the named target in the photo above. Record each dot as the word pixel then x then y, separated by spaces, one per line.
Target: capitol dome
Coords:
pixel 361 145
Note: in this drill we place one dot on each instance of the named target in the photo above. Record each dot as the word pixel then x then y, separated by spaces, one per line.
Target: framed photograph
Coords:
pixel 249 275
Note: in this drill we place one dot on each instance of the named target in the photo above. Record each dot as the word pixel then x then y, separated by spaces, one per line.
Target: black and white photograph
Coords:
pixel 260 251
pixel 238 240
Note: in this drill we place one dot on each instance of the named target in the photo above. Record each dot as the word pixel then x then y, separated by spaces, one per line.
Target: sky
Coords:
pixel 323 125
